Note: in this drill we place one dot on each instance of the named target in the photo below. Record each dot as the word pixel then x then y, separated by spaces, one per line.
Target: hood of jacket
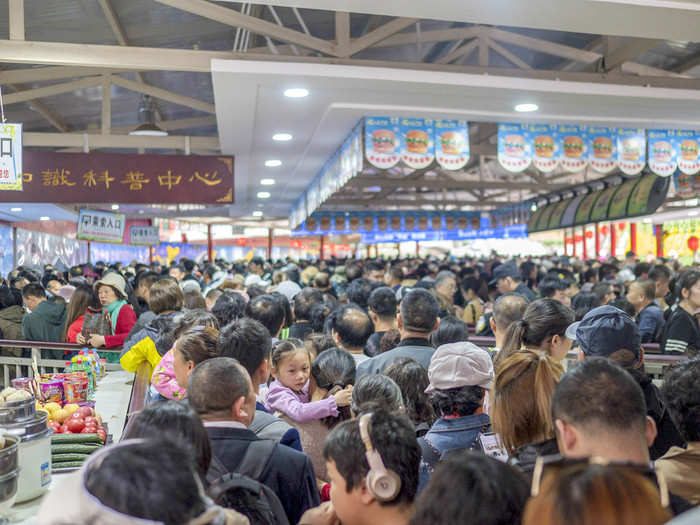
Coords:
pixel 12 314
pixel 52 313
pixel 162 331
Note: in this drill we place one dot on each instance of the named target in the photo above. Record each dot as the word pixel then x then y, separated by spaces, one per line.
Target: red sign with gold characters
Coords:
pixel 127 179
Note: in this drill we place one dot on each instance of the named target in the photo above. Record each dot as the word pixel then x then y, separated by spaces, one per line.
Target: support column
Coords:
pixel 597 241
pixel 321 248
pixel 210 245
pixel 613 238
pixel 88 254
pixel 270 232
pixel 417 249
pixel 659 233
pixel 583 235
pixel 573 244
pixel 633 237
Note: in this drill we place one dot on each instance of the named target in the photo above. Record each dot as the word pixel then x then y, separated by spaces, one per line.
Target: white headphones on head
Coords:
pixel 382 483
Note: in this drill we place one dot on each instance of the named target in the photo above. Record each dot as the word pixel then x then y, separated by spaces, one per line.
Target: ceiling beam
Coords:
pixel 342 33
pixel 16 19
pixel 56 89
pixel 432 36
pixel 106 119
pixel 644 70
pixel 233 18
pixel 373 203
pixel 41 74
pixel 510 57
pixel 543 46
pixel 628 51
pixel 99 141
pixel 379 34
pixel 167 59
pixel 460 51
pixel 164 94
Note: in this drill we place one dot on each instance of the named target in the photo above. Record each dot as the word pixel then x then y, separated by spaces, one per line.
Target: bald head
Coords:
pixel 508 309
pixel 353 327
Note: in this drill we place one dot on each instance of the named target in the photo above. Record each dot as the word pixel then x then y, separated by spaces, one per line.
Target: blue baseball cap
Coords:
pixel 605 330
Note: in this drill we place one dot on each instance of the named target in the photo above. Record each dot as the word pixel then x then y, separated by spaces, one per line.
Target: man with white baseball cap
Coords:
pixel 459 374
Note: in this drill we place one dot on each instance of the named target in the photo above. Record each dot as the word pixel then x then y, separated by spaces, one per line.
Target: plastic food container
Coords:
pixel 17 411
pixel 34 457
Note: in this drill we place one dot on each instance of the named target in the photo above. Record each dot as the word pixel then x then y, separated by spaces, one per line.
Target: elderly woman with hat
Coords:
pixel 111 292
pixel 459 374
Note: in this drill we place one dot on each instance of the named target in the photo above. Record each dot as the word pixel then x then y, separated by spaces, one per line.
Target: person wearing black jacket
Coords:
pixel 221 391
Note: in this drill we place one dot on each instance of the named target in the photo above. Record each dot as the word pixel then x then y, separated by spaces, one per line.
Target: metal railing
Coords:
pixel 11 367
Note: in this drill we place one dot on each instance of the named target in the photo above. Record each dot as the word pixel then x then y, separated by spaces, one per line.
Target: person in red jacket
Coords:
pixel 111 291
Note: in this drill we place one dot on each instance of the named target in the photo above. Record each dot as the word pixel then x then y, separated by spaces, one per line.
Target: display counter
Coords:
pixel 113 400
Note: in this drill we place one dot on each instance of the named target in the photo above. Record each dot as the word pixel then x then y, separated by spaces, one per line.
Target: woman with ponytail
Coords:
pixel 542 328
pixel 521 401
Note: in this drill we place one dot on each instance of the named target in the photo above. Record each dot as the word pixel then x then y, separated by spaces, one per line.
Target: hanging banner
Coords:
pixel 143 235
pixel 417 148
pixel 662 154
pixel 544 156
pixel 11 157
pixel 684 184
pixel 687 150
pixel 452 143
pixel 601 148
pixel 101 226
pixel 382 142
pixel 514 150
pixel 631 150
pixel 572 147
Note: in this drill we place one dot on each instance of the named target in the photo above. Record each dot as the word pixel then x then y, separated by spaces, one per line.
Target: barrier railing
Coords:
pixel 139 393
pixel 11 367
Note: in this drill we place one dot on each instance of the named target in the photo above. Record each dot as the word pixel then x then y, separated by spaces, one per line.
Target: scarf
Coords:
pixel 112 310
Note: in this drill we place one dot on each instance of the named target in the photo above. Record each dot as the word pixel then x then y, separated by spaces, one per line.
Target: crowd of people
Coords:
pixel 417 391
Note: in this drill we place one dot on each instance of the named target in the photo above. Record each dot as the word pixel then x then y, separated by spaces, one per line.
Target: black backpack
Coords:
pixel 242 492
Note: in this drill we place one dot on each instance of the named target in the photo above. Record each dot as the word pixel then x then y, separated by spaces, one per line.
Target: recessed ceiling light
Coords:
pixel 15 209
pixel 273 163
pixel 692 213
pixel 257 213
pixel 115 206
pixel 141 211
pixel 267 182
pixel 526 108
pixel 296 93
pixel 263 195
pixel 44 218
pixel 282 137
pixel 647 220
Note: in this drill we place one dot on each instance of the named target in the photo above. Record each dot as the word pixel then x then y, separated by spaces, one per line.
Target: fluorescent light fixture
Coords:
pixel 267 182
pixel 263 195
pixel 115 206
pixel 282 137
pixel 646 220
pixel 526 108
pixel 273 163
pixel 149 130
pixel 257 213
pixel 44 218
pixel 533 207
pixel 141 211
pixel 15 209
pixel 692 213
pixel 296 93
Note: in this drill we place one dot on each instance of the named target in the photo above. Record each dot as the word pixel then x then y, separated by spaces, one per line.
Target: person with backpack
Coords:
pixel 460 374
pixel 221 391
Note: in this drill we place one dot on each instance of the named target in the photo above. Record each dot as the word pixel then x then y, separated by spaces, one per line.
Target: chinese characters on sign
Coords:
pixel 143 235
pixel 109 177
pixel 11 157
pixel 101 226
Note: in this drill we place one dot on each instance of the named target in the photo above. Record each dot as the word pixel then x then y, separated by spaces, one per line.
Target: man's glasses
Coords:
pixel 557 464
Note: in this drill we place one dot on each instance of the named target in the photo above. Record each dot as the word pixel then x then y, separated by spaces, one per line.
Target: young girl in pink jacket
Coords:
pixel 289 392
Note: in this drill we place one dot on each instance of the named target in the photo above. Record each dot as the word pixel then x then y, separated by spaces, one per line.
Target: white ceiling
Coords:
pixel 666 19
pixel 251 108
pixel 32 212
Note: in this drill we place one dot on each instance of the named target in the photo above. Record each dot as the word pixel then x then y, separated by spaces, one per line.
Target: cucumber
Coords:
pixel 59 458
pixel 72 448
pixel 67 464
pixel 75 438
